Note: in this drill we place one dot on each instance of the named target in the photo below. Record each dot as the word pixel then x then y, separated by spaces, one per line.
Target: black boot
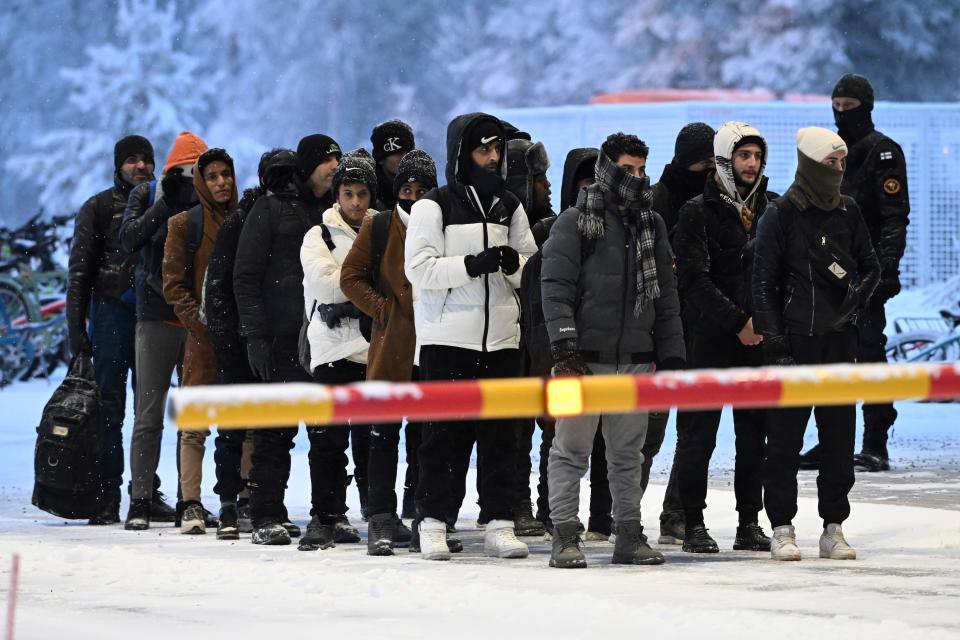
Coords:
pixel 810 461
pixel 110 509
pixel 138 516
pixel 566 553
pixel 873 456
pixel 270 533
pixel 524 524
pixel 380 534
pixel 318 536
pixel 160 510
pixel 631 546
pixel 401 533
pixel 291 528
pixel 698 540
pixel 227 525
pixel 750 537
pixel 344 532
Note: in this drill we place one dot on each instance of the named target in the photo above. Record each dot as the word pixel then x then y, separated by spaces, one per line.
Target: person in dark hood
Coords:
pixel 527 165
pixel 268 285
pixel 711 238
pixel 876 177
pixel 464 254
pixel 814 267
pixel 391 140
pixel 100 304
pixel 578 173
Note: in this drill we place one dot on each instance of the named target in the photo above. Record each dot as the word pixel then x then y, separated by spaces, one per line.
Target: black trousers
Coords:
pixel 328 450
pixel 228 444
pixel 443 441
pixel 872 345
pixel 656 431
pixel 836 427
pixel 697 436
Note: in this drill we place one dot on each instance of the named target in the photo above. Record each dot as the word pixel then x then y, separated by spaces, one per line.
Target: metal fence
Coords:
pixel 929 134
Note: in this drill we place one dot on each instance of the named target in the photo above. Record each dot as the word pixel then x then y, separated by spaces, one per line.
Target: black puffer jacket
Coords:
pixel 576 158
pixel 267 274
pixel 710 243
pixel 789 293
pixel 98 262
pixel 144 229
pixel 675 188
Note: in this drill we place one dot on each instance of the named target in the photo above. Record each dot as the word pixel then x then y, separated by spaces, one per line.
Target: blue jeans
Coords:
pixel 111 328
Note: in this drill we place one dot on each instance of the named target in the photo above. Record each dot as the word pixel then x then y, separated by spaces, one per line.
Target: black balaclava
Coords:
pixel 488 184
pixel 854 124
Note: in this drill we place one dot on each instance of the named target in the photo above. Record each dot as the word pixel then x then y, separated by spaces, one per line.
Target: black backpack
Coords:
pixel 68 458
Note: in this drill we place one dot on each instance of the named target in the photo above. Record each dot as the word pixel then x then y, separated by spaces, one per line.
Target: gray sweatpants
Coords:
pixel 624 435
pixel 159 351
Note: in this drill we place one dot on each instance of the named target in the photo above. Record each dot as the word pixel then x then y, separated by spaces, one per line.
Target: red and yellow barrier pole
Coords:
pixel 275 405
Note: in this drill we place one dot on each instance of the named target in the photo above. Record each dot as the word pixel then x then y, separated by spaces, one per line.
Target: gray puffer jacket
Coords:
pixel 591 297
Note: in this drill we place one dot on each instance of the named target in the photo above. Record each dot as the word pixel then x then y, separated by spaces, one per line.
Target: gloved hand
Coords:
pixel 567 360
pixel 776 351
pixel 488 261
pixel 671 364
pixel 260 358
pixel 79 342
pixel 177 191
pixel 332 314
pixel 509 260
pixel 888 286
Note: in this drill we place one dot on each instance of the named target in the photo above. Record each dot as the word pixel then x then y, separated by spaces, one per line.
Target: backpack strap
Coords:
pixel 194 237
pixel 380 227
pixel 327 240
pixel 153 193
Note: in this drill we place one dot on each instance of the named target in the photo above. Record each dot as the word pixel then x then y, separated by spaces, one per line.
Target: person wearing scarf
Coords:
pixel 610 304
pixel 814 270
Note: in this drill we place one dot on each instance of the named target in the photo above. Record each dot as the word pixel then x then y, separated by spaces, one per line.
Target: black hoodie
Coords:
pixel 576 158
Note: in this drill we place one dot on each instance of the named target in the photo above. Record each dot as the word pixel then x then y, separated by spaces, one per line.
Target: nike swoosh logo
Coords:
pixel 837 146
pixel 488 140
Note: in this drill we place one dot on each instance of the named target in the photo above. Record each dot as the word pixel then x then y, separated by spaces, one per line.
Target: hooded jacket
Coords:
pixel 526 161
pixel 576 158
pixel 676 187
pixel 451 307
pixel 321 285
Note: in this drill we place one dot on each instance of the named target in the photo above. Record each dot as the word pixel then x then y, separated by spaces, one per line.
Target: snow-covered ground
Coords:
pixel 107 583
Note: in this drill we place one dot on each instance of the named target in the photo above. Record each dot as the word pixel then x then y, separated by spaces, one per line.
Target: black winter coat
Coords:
pixel 789 293
pixel 675 188
pixel 98 262
pixel 576 158
pixel 714 277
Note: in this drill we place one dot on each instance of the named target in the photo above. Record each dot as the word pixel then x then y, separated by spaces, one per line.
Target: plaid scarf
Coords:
pixel 636 196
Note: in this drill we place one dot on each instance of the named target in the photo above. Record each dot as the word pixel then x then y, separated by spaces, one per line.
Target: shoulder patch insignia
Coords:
pixel 891 186
pixel 886 155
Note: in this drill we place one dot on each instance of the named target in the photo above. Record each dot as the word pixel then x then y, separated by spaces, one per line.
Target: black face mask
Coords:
pixel 406 205
pixel 487 183
pixel 819 182
pixel 853 124
pixel 692 182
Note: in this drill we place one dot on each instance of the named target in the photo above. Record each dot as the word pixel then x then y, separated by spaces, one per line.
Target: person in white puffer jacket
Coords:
pixel 338 350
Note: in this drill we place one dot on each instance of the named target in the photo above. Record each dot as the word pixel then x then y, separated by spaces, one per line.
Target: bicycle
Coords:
pixel 925 339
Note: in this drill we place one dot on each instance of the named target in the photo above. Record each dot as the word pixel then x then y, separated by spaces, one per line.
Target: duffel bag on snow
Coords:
pixel 68 459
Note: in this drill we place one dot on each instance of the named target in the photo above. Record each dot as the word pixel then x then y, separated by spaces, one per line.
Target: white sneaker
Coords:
pixel 834 546
pixel 784 543
pixel 499 541
pixel 433 540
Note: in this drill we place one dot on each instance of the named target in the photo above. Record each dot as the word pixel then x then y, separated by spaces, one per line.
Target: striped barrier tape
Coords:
pixel 277 405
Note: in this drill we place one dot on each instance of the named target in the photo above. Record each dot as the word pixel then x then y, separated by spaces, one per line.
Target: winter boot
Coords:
pixel 227 523
pixel 271 533
pixel 110 510
pixel 409 511
pixel 698 540
pixel 344 532
pixel 784 543
pixel 433 540
pixel 672 527
pixel 524 524
pixel 401 533
pixel 160 510
pixel 750 537
pixel 244 523
pixel 834 546
pixel 192 521
pixel 873 457
pixel 380 534
pixel 810 461
pixel 630 547
pixel 566 553
pixel 210 520
pixel 286 523
pixel 318 536
pixel 499 541
pixel 138 516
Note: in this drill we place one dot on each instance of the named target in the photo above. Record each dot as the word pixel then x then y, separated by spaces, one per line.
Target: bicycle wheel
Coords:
pixel 909 346
pixel 17 351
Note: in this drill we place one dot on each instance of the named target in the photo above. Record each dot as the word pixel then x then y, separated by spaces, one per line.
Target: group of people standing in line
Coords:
pixel 343 267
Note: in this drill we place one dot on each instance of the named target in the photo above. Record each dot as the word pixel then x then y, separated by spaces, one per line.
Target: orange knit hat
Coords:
pixel 186 149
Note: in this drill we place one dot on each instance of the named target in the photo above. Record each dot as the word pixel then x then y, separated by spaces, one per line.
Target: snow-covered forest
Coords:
pixel 249 75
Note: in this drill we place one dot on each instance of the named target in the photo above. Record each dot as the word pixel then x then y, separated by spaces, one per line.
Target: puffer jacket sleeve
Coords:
pixel 177 291
pixel 321 271
pixel 667 327
pixel 559 276
pixel 356 279
pixel 141 221
pixel 85 252
pixel 768 273
pixel 868 264
pixel 521 239
pixel 693 269
pixel 425 261
pixel 253 255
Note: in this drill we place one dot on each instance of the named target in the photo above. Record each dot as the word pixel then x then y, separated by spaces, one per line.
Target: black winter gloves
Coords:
pixel 488 261
pixel 332 314
pixel 260 358
pixel 567 360
pixel 509 260
pixel 888 286
pixel 776 351
pixel 177 190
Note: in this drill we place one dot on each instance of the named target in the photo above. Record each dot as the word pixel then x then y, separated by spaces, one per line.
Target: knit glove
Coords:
pixel 776 351
pixel 333 314
pixel 567 360
pixel 260 358
pixel 178 191
pixel 509 260
pixel 888 286
pixel 487 261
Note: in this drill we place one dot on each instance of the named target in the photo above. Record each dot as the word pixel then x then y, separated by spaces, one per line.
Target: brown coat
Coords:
pixel 393 338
